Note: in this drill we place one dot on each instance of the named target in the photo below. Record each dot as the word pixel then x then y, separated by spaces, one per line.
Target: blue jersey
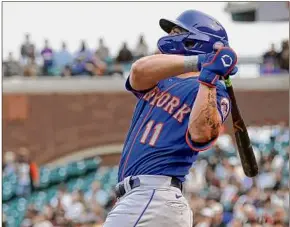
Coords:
pixel 158 141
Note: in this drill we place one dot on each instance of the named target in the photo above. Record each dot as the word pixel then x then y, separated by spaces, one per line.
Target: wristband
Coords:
pixel 190 64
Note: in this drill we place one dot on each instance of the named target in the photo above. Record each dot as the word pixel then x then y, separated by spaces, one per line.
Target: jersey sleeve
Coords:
pixel 138 94
pixel 224 107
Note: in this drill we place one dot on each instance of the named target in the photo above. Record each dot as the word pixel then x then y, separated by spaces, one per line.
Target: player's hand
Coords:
pixel 217 65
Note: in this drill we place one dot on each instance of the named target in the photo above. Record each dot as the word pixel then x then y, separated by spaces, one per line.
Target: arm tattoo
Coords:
pixel 209 113
pixel 206 118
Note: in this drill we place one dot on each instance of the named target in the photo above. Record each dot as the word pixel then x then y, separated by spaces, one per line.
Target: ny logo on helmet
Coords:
pixel 227 60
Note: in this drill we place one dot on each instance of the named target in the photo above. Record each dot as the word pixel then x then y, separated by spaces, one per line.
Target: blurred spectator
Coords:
pixel 271 56
pixel 27 50
pixel 83 61
pixel 102 51
pixel 62 59
pixel 47 56
pixel 218 211
pixel 77 208
pixel 67 71
pixel 270 61
pixel 125 55
pixel 205 217
pixel 221 197
pixel 96 194
pixel 63 198
pixel 141 48
pixel 9 165
pixel 31 69
pixel 84 54
pixel 283 56
pixel 11 67
pixel 27 173
pixel 29 217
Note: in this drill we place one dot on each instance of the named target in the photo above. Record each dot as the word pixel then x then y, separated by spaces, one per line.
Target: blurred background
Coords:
pixel 66 114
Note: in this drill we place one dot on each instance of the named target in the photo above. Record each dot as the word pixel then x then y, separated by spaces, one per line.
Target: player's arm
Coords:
pixel 148 71
pixel 205 119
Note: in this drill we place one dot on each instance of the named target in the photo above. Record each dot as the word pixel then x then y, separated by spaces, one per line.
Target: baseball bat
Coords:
pixel 245 148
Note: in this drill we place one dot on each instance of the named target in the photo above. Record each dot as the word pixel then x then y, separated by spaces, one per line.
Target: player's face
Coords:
pixel 177 30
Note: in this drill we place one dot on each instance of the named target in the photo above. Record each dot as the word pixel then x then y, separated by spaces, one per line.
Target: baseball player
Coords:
pixel 181 107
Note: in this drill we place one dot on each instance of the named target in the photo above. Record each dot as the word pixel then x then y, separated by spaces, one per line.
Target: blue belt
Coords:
pixel 135 182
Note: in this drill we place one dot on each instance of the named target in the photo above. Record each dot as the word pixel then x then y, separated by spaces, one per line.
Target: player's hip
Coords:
pixel 154 203
pixel 148 182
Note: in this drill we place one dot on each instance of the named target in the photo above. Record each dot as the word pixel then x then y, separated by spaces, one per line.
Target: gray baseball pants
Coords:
pixel 155 203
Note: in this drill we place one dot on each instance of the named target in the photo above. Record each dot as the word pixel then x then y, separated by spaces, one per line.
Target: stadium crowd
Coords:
pixel 47 61
pixel 217 190
pixel 275 61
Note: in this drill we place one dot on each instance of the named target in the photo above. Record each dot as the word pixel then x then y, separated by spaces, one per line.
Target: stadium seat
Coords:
pixel 58 175
pixel 92 163
pixel 7 191
pixel 44 177
pixel 76 169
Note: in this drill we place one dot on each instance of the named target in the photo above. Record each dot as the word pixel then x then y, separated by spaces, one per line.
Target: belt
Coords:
pixel 134 183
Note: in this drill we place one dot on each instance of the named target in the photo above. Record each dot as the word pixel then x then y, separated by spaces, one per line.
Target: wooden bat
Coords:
pixel 245 148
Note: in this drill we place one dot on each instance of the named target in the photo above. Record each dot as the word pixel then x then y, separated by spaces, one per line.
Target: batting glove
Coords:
pixel 217 65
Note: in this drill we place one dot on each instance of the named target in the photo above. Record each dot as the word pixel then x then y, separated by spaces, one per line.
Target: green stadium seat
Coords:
pixel 44 178
pixel 70 185
pixel 51 192
pixel 92 163
pixel 7 190
pixel 21 205
pixel 76 169
pixel 58 175
pixel 11 222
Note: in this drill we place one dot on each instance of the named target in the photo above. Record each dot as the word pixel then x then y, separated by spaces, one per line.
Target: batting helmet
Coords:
pixel 204 34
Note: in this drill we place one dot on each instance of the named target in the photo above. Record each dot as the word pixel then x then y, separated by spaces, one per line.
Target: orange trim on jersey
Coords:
pixel 189 143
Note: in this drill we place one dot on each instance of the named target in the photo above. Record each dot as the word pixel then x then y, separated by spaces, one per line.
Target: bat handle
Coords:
pixel 228 81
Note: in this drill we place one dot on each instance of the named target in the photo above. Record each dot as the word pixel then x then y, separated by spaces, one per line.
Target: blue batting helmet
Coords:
pixel 204 34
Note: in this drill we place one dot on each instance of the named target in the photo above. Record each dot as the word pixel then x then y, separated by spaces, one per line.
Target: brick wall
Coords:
pixel 58 124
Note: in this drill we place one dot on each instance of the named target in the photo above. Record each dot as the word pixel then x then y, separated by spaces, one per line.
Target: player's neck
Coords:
pixel 187 75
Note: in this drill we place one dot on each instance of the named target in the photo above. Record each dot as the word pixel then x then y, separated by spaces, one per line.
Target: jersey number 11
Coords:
pixel 156 132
